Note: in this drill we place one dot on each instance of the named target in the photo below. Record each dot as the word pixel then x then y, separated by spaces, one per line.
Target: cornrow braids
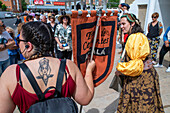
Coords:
pixel 40 35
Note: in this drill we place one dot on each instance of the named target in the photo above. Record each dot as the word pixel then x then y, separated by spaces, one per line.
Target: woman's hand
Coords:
pixel 85 88
pixel 167 43
pixel 91 66
pixel 61 46
pixel 117 73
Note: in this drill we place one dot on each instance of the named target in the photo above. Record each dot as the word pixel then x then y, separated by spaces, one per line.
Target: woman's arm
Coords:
pixel 6 103
pixel 84 86
pixel 165 37
pixel 8 45
pixel 160 29
pixel 57 40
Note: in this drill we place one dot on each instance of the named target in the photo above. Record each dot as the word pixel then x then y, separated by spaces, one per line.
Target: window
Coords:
pixel 5 0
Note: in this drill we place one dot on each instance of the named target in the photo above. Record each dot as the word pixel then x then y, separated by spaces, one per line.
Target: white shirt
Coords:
pixel 36 20
pixel 4 54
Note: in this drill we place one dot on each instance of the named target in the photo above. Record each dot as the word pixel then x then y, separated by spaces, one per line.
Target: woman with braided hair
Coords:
pixel 140 91
pixel 36 45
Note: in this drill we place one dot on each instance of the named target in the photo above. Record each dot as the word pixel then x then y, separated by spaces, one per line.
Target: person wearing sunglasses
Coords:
pixel 63 37
pixel 140 91
pixel 155 29
pixel 36 45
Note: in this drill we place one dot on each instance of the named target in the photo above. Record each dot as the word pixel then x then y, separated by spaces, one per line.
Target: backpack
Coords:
pixel 57 104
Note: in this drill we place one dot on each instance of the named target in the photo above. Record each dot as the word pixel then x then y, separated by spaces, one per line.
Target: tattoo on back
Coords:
pixel 44 71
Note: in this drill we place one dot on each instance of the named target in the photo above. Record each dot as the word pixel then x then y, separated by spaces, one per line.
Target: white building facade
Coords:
pixel 143 9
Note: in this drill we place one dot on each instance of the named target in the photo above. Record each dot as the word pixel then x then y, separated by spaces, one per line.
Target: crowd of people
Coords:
pixel 41 42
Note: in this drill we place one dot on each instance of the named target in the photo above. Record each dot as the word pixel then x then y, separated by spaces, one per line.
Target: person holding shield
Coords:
pixel 36 45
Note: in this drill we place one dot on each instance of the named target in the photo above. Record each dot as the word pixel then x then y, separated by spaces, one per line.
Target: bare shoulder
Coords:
pixel 9 72
pixel 71 64
pixel 160 24
pixel 73 69
pixel 8 77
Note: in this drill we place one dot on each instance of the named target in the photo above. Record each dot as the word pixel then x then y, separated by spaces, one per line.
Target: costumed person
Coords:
pixel 165 49
pixel 140 91
pixel 63 37
pixel 36 45
pixel 155 29
pixel 122 37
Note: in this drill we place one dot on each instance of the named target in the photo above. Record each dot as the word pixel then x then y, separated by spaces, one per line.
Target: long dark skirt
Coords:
pixel 141 94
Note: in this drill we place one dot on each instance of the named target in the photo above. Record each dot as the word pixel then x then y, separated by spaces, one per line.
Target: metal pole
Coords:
pixel 81 107
pixel 85 5
pixel 70 6
pixel 96 32
pixel 81 4
pixel 104 4
pixel 65 6
pixel 91 5
pixel 74 4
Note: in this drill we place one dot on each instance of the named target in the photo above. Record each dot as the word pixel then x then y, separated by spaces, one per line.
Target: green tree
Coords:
pixel 24 5
pixel 4 7
pixel 112 3
pixel 1 4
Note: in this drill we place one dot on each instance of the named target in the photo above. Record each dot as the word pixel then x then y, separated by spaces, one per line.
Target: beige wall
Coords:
pixel 142 14
pixel 129 1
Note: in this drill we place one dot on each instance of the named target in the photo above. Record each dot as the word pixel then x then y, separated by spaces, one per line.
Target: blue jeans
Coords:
pixel 4 65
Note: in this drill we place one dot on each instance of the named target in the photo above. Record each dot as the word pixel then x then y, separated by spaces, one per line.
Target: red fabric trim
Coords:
pixel 125 37
pixel 17 72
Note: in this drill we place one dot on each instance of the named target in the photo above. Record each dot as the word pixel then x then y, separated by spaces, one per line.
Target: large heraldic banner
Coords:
pixel 83 31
